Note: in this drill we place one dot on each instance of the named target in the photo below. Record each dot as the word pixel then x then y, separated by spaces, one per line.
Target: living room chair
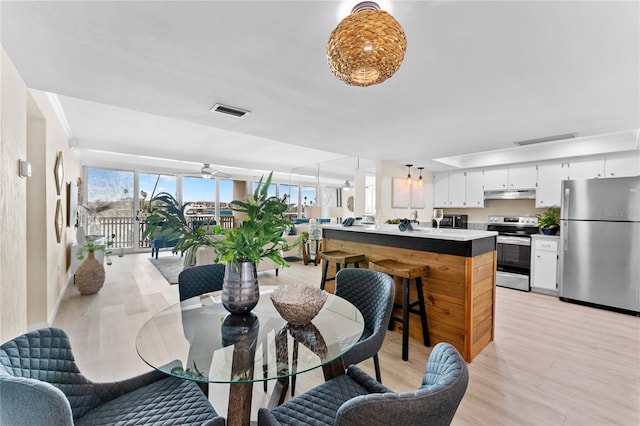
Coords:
pixel 372 293
pixel 356 398
pixel 40 384
pixel 200 279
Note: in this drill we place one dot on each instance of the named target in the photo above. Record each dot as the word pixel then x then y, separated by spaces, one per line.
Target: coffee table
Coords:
pixel 199 340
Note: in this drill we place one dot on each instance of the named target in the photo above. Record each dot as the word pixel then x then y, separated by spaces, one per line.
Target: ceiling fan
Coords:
pixel 207 172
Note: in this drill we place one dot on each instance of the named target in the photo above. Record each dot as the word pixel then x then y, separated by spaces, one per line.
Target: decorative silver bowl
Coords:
pixel 298 304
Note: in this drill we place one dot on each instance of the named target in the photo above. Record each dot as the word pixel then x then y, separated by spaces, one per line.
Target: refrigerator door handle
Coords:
pixel 565 203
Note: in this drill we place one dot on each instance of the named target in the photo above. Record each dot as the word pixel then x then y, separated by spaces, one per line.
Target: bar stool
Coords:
pixel 407 272
pixel 340 258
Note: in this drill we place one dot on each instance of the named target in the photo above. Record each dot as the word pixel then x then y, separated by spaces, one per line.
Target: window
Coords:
pixel 292 192
pixel 200 193
pixel 150 185
pixel 309 196
pixel 225 186
pixel 271 192
pixel 109 205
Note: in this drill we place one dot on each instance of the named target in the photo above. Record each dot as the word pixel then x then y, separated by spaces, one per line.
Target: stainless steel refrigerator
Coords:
pixel 600 242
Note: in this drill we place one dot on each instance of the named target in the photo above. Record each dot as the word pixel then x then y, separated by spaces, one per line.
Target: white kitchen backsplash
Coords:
pixel 499 208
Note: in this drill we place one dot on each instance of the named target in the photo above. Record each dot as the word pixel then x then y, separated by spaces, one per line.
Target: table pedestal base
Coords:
pixel 239 410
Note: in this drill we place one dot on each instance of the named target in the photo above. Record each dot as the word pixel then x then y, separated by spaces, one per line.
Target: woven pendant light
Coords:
pixel 367 47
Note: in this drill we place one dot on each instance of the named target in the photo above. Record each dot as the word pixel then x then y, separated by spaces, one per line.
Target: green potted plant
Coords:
pixel 549 221
pixel 259 236
pixel 89 277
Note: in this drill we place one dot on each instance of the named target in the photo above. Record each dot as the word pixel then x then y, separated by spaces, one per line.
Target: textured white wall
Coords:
pixel 13 205
pixel 55 270
pixel 33 265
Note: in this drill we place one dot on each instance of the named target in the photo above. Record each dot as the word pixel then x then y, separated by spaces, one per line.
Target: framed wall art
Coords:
pixel 400 194
pixel 58 171
pixel 72 204
pixel 59 222
pixel 418 196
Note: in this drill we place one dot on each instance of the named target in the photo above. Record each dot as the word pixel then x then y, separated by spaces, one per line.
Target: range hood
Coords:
pixel 511 194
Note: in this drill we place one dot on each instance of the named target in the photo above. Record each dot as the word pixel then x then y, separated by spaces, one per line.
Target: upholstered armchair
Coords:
pixel 356 399
pixel 40 384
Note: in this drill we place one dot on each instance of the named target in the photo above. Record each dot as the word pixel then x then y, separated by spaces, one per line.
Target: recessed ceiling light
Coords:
pixel 230 110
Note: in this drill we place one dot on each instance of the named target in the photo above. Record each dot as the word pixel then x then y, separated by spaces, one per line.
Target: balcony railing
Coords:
pixel 120 229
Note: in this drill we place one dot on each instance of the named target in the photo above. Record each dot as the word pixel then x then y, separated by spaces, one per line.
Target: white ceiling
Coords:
pixel 139 77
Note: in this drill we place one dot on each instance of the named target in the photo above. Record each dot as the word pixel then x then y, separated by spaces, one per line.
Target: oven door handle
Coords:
pixel 520 241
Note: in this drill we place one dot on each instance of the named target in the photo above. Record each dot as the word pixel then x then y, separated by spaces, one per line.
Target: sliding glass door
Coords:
pixel 150 185
pixel 117 201
pixel 108 209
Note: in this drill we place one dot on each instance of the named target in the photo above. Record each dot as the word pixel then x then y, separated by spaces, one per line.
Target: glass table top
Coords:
pixel 199 340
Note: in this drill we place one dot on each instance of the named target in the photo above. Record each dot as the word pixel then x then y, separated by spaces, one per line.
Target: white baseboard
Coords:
pixel 52 316
pixel 54 312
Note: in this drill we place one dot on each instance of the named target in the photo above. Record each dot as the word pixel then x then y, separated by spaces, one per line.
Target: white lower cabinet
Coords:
pixel 544 264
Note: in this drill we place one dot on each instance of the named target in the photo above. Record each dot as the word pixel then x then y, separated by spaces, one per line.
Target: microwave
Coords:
pixel 457 221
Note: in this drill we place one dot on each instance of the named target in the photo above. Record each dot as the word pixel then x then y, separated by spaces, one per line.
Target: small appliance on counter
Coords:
pixel 368 219
pixel 455 221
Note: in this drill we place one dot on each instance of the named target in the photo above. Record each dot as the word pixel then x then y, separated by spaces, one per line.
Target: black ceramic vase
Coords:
pixel 240 292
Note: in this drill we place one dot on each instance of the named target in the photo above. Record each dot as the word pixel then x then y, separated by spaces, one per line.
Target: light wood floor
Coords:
pixel 552 363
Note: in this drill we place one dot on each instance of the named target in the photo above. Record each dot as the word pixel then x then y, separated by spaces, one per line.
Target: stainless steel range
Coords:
pixel 514 249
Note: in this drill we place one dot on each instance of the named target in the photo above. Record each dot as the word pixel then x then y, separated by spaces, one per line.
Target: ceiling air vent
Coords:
pixel 229 110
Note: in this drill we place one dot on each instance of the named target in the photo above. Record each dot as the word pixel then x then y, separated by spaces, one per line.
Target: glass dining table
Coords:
pixel 198 340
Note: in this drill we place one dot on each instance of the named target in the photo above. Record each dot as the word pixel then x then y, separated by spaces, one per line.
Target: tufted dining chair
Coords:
pixel 355 398
pixel 40 384
pixel 372 293
pixel 200 279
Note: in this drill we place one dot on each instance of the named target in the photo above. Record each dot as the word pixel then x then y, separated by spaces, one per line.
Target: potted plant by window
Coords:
pixel 259 235
pixel 89 277
pixel 549 221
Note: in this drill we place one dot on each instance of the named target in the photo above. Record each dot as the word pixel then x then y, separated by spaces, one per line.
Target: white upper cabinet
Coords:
pixel 474 189
pixel 522 177
pixel 441 190
pixel 496 179
pixel 466 189
pixel 457 189
pixel 621 167
pixel 511 178
pixel 591 169
pixel 550 177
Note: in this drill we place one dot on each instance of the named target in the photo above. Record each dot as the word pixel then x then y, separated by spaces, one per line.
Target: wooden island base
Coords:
pixel 459 291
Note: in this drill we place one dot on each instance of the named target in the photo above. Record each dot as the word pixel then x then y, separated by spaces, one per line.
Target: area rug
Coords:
pixel 169 267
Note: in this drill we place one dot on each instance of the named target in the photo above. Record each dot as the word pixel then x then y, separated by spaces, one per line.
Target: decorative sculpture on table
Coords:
pixel 298 304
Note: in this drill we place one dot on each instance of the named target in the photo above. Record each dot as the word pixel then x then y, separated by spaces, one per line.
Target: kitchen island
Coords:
pixel 459 288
